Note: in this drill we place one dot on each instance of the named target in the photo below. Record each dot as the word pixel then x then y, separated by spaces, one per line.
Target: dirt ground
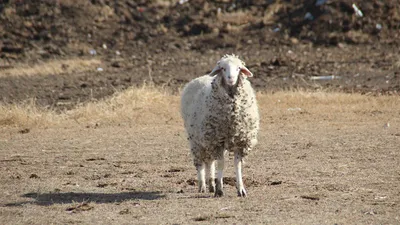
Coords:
pixel 309 168
pixel 320 160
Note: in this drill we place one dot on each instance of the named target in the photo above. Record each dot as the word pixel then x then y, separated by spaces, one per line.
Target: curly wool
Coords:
pixel 218 117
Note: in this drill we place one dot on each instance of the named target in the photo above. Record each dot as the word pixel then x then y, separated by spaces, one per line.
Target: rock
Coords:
pixel 35 176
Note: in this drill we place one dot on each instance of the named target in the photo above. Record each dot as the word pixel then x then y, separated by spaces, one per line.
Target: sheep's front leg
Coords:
pixel 210 175
pixel 239 181
pixel 220 170
pixel 201 176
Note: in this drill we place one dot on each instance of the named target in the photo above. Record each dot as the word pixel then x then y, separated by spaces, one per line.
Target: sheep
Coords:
pixel 220 114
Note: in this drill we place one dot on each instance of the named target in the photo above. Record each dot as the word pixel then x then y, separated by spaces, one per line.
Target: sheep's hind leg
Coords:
pixel 219 185
pixel 239 181
pixel 210 175
pixel 201 176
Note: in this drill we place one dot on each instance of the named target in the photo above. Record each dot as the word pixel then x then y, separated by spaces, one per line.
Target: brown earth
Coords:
pixel 170 43
pixel 325 164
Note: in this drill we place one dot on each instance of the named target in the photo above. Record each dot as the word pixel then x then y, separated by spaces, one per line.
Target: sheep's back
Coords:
pixel 193 96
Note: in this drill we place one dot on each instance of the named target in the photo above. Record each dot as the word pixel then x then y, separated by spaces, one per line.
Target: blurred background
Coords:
pixel 105 45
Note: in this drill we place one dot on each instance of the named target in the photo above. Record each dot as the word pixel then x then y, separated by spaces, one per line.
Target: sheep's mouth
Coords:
pixel 230 89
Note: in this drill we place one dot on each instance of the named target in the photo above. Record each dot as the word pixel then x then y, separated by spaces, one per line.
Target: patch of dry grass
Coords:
pixel 144 105
pixel 236 18
pixel 327 102
pixel 55 67
pixel 272 10
pixel 154 105
pixel 337 108
pixel 27 114
pixel 396 64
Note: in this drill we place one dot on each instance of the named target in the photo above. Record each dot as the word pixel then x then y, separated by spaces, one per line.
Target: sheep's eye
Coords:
pixel 223 69
pixel 238 68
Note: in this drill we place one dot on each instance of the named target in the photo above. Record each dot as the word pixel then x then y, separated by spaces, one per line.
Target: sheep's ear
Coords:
pixel 216 70
pixel 246 71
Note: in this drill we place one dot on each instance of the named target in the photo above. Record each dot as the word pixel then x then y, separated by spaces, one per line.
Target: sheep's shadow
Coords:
pixel 46 199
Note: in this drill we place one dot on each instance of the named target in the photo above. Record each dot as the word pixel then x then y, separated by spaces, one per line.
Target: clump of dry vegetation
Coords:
pixel 156 105
pixel 328 102
pixel 55 67
pixel 144 105
pixel 26 114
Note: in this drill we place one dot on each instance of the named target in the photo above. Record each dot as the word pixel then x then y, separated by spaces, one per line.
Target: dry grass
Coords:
pixel 396 64
pixel 328 102
pixel 53 68
pixel 272 10
pixel 236 18
pixel 144 105
pixel 27 115
pixel 152 105
pixel 336 109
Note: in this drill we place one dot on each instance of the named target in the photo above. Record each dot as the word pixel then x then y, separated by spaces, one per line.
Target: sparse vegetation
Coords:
pixel 55 67
pixel 155 105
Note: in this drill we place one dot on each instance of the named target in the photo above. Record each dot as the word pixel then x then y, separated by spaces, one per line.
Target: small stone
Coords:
pixel 278 182
pixel 24 131
pixel 35 176
pixel 92 52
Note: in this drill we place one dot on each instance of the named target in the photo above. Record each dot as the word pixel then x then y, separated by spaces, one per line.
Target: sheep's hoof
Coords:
pixel 242 193
pixel 202 189
pixel 219 193
pixel 211 188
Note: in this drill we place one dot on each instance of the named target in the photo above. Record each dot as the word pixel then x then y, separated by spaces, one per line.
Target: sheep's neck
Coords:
pixel 233 110
pixel 230 98
pixel 233 91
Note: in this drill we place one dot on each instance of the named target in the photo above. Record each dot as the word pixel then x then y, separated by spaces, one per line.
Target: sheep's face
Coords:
pixel 230 68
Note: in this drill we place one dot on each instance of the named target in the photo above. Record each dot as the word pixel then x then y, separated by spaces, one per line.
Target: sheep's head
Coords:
pixel 230 67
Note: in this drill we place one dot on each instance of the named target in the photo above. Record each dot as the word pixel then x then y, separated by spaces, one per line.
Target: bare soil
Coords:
pixel 308 169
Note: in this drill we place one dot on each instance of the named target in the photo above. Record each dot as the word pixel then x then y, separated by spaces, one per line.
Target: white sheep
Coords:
pixel 220 113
